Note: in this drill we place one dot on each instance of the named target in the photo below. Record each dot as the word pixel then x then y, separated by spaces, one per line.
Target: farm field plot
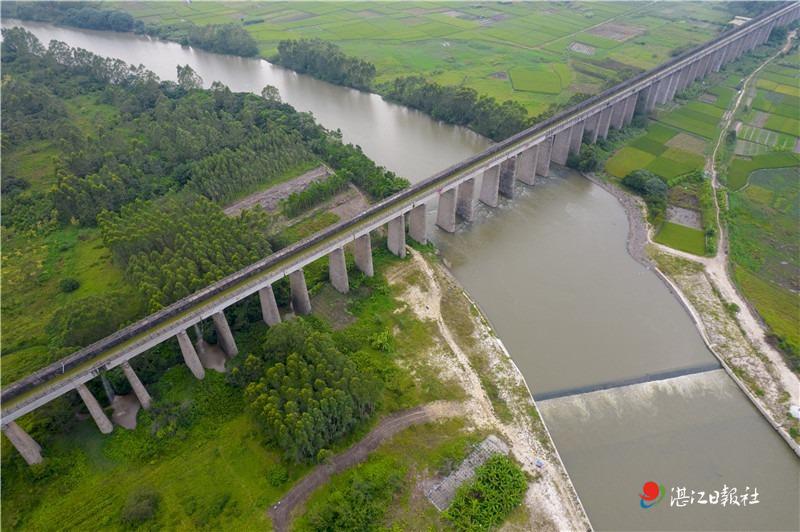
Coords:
pixel 765 245
pixel 522 52
pixel 680 237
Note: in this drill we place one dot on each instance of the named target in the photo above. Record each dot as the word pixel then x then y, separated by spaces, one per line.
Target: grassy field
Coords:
pixel 533 53
pixel 765 203
pixel 681 237
pixel 201 451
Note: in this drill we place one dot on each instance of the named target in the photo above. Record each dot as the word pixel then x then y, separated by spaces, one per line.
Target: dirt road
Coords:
pixel 388 427
pixel 717 266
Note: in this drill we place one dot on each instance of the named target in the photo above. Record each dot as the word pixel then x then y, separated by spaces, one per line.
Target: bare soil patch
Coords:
pixel 760 119
pixel 499 75
pixel 270 198
pixel 581 48
pixel 682 216
pixel 687 142
pixel 616 31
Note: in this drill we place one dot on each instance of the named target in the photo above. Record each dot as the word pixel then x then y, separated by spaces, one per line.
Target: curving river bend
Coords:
pixel 574 309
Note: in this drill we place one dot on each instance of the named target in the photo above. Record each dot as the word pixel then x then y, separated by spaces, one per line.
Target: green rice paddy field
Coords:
pixel 764 178
pixel 534 53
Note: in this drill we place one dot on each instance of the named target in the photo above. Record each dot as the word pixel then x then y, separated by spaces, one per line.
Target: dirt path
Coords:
pixel 388 427
pixel 717 266
pixel 552 501
pixel 270 198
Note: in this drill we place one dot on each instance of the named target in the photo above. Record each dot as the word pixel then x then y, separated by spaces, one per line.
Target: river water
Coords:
pixel 551 272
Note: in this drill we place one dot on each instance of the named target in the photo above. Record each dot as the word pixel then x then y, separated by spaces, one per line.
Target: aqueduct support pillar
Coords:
pixel 490 186
pixel 446 211
pixel 100 418
pixel 561 146
pixel 301 302
pixel 576 137
pixel 363 255
pixel 224 334
pixel 525 170
pixel 269 307
pixel 605 122
pixel 618 114
pixel 630 107
pixel 337 270
pixel 507 169
pixel 465 200
pixel 190 355
pixel 397 236
pixel 543 157
pixel 23 443
pixel 136 385
pixel 418 224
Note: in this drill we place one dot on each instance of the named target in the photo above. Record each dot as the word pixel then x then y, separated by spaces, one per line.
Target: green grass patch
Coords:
pixel 682 238
pixel 741 168
pixel 627 160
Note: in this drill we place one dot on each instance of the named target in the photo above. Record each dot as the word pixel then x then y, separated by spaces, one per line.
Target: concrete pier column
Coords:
pixel 561 146
pixel 465 200
pixel 630 107
pixel 418 224
pixel 136 385
pixel 269 307
pixel 446 211
pixel 301 303
pixel 490 186
pixel 103 423
pixel 605 121
pixel 190 355
pixel 590 126
pixel 397 236
pixel 26 446
pixel 576 137
pixel 363 255
pixel 716 62
pixel 525 169
pixel 673 87
pixel 543 158
pixel 507 169
pixel 224 334
pixel 618 114
pixel 337 270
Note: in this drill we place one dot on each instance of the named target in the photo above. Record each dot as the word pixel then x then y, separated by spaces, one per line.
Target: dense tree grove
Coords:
pixel 651 187
pixel 484 502
pixel 460 105
pixel 174 246
pixel 78 14
pixel 314 194
pixel 159 136
pixel 304 391
pixel 326 61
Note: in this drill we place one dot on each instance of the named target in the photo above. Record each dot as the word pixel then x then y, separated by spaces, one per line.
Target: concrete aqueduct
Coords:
pixel 521 157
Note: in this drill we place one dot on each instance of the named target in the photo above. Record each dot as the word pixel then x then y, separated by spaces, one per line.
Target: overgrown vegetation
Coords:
pixel 484 503
pixel 303 391
pixel 89 141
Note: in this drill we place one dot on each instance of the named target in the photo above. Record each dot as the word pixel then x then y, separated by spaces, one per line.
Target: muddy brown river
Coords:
pixel 551 272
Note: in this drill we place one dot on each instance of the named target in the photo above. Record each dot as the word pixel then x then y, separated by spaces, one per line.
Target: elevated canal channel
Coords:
pixel 575 311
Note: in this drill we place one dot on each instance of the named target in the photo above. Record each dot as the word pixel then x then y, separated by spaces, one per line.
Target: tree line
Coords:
pixel 229 38
pixel 326 61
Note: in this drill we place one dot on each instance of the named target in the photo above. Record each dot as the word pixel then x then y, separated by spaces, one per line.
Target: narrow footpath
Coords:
pixel 718 266
pixel 281 511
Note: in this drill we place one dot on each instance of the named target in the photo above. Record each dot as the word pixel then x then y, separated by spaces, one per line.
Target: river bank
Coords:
pixel 694 287
pixel 470 354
